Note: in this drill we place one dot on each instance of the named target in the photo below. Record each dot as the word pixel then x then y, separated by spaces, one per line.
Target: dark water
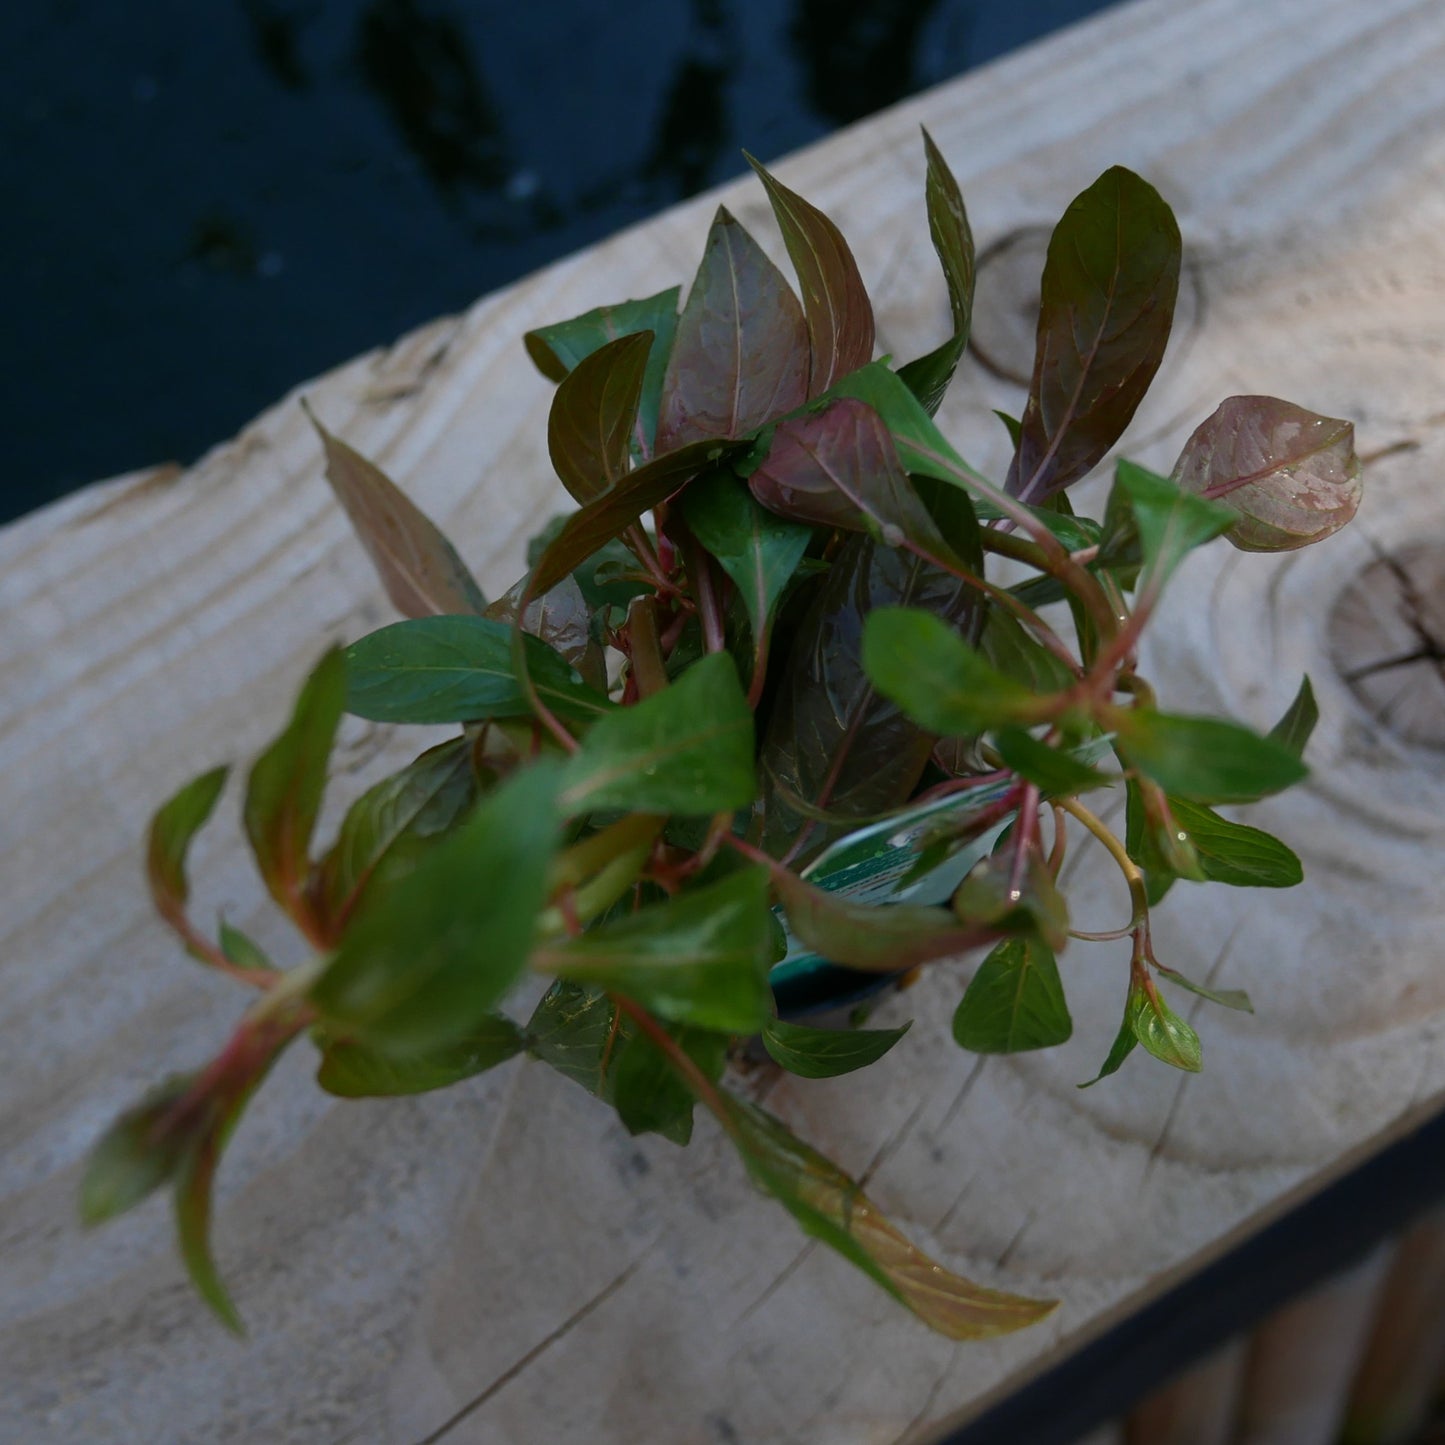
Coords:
pixel 208 200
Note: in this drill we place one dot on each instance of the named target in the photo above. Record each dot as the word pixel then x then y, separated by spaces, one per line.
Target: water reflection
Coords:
pixel 695 129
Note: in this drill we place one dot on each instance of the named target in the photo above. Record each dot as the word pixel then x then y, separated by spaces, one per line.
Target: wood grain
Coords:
pixel 501 1263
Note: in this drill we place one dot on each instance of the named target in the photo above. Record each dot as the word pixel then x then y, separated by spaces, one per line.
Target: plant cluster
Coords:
pixel 765 709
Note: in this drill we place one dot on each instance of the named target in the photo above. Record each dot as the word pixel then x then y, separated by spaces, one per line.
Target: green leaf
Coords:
pixel 458 669
pixel 1057 773
pixel 1234 998
pixel 988 898
pixel 557 349
pixel 1294 728
pixel 701 958
pixel 1155 841
pixel 283 793
pixel 420 569
pixel 140 1151
pixel 832 1207
pixel 835 303
pixel 1106 307
pixel 1171 523
pixel 928 377
pixel 937 678
pixel 1009 647
pixel 1123 1045
pixel 352 1071
pixel 424 799
pixel 1015 1001
pixel 591 528
pixel 758 550
pixel 1204 759
pixel 175 824
pixel 591 423
pixel 1162 1031
pixel 647 1092
pixel 1235 853
pixel 741 354
pixel 427 957
pixel 687 749
pixel 826 1053
pixel 575 1030
pixel 242 950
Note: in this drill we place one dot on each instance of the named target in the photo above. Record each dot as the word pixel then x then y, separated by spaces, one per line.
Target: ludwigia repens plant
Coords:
pixel 755 714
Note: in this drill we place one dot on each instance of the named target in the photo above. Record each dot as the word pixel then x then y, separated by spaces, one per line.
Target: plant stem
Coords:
pixel 1132 875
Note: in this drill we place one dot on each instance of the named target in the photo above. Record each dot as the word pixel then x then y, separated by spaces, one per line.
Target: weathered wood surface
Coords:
pixel 502 1256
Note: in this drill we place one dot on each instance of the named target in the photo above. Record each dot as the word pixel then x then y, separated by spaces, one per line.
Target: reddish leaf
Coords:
pixel 562 619
pixel 175 824
pixel 283 793
pixel 590 425
pixel 839 467
pixel 419 568
pixel 1290 475
pixel 741 353
pixel 1107 303
pixel 839 314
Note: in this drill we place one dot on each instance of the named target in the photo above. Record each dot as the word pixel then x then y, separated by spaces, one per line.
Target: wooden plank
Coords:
pixel 502 1257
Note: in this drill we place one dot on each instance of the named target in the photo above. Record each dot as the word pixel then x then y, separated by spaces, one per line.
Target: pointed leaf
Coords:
pixel 1123 1045
pixel 833 740
pixel 557 349
pixel 1171 522
pixel 928 377
pixel 937 678
pixel 1205 759
pixel 1294 728
pixel 647 1092
pixel 422 800
pixel 839 314
pixel 1106 307
pixel 1058 774
pixel 838 467
pixel 352 1071
pixel 138 1153
pixel 587 531
pixel 1162 1031
pixel 758 550
pixel 741 354
pixel 283 792
pixel 1015 1002
pixel 429 956
pixel 1235 853
pixel 687 749
pixel 1286 476
pixel 1234 998
pixel 175 824
pixel 576 1031
pixel 826 1053
pixel 701 958
pixel 420 569
pixel 871 937
pixel 242 950
pixel 832 1207
pixel 591 424
pixel 458 669
pixel 988 899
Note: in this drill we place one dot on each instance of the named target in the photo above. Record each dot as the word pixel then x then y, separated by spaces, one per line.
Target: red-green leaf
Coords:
pixel 839 314
pixel 591 422
pixel 928 377
pixel 1289 476
pixel 283 793
pixel 175 824
pixel 562 619
pixel 419 568
pixel 741 354
pixel 833 1208
pixel 1109 286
